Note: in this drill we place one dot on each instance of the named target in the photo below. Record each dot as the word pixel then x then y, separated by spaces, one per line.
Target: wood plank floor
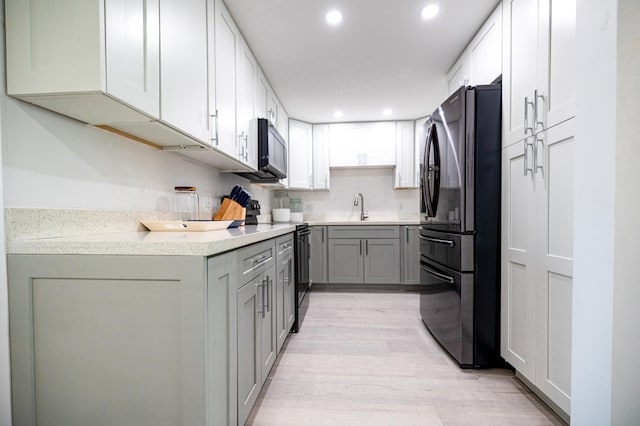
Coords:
pixel 367 359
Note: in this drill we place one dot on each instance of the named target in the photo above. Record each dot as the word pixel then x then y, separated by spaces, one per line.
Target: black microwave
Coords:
pixel 272 154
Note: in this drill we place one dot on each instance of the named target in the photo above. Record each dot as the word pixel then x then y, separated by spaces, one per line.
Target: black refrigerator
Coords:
pixel 460 225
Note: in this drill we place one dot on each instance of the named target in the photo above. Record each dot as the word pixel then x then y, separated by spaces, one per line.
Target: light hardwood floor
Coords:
pixel 367 359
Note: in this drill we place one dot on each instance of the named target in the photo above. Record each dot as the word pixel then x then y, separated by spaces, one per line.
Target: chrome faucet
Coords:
pixel 363 214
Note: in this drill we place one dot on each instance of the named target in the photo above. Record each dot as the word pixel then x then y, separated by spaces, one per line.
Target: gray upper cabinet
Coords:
pixel 319 255
pixel 364 254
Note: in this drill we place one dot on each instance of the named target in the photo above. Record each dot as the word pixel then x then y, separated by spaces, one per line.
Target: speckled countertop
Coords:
pixel 152 243
pixel 38 231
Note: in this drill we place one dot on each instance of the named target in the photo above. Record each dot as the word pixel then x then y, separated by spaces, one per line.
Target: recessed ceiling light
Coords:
pixel 387 112
pixel 338 114
pixel 334 17
pixel 429 11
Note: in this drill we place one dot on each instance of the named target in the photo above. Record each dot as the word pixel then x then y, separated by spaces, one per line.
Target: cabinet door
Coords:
pixel 249 320
pixel 300 150
pixel 262 94
pixel 247 137
pixel 268 327
pixel 554 274
pixel 556 75
pixel 319 244
pixel 518 253
pixel 281 301
pixel 184 98
pixel 289 294
pixel 132 53
pixel 321 156
pixel 460 73
pixel 406 172
pixel 345 140
pixel 485 50
pixel 346 261
pixel 520 51
pixel 227 39
pixel 382 261
pixel 410 255
pixel 379 143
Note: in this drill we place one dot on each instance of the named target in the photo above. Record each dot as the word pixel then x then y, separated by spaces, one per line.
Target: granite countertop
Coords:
pixel 152 243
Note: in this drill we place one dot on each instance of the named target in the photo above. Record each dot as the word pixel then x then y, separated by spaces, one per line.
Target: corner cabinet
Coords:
pixel 319 254
pixel 146 340
pixel 407 164
pixel 300 149
pixel 321 175
pixel 364 254
pixel 409 234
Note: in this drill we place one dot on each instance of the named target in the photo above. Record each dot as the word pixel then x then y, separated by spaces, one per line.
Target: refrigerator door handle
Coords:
pixel 438 241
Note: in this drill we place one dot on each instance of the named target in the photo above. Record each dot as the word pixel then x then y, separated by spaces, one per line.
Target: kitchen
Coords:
pixel 51 162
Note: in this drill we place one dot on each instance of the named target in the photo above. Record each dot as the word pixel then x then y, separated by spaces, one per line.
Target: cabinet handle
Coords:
pixel 366 246
pixel 360 247
pixel 261 260
pixel 214 117
pixel 406 228
pixel 537 166
pixel 537 96
pixel 526 115
pixel 268 291
pixel 261 285
pixel 526 156
pixel 322 230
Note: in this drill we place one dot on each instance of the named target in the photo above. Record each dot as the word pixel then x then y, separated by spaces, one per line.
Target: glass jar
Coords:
pixel 296 205
pixel 187 204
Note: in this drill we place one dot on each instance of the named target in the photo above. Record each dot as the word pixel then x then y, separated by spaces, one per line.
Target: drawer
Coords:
pixel 254 260
pixel 284 246
pixel 364 231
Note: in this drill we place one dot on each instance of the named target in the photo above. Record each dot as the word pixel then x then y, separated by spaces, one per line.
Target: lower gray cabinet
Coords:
pixel 410 254
pixel 285 288
pixel 319 255
pixel 374 258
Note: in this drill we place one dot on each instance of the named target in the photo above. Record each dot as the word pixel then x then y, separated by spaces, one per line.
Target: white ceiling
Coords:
pixel 382 54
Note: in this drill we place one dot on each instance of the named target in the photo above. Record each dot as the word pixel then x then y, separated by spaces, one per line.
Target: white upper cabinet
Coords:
pixel 246 134
pixel 363 144
pixel 184 79
pixel 321 174
pixel 66 56
pixel 132 54
pixel 539 58
pixel 227 46
pixel 262 94
pixel 406 156
pixel 300 155
pixel 481 62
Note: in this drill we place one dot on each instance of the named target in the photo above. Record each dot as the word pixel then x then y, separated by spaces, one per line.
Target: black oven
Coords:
pixel 302 251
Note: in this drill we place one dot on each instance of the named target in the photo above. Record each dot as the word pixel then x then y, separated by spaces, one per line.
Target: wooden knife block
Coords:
pixel 230 210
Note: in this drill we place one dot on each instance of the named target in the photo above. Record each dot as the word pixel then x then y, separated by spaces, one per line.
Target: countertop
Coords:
pixel 152 243
pixel 173 243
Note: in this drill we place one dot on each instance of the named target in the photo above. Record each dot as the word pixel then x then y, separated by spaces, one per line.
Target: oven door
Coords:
pixel 446 307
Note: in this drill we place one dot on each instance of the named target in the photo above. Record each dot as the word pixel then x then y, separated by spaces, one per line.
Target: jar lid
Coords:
pixel 185 188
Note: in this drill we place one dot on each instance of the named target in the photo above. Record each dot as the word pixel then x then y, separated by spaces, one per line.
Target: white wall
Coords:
pixel 52 161
pixel 606 293
pixel 375 184
pixel 625 381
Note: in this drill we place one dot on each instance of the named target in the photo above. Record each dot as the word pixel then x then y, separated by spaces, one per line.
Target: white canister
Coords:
pixel 281 215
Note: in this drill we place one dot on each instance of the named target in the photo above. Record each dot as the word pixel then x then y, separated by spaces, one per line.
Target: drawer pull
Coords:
pixel 438 241
pixel 261 260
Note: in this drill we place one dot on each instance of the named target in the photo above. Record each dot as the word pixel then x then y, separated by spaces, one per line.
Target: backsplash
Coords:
pixel 381 201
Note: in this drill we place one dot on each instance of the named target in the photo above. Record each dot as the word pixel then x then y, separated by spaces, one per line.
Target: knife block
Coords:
pixel 230 210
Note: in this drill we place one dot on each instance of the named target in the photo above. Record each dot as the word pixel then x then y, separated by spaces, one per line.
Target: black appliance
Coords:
pixel 460 225
pixel 272 154
pixel 302 252
pixel 253 211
